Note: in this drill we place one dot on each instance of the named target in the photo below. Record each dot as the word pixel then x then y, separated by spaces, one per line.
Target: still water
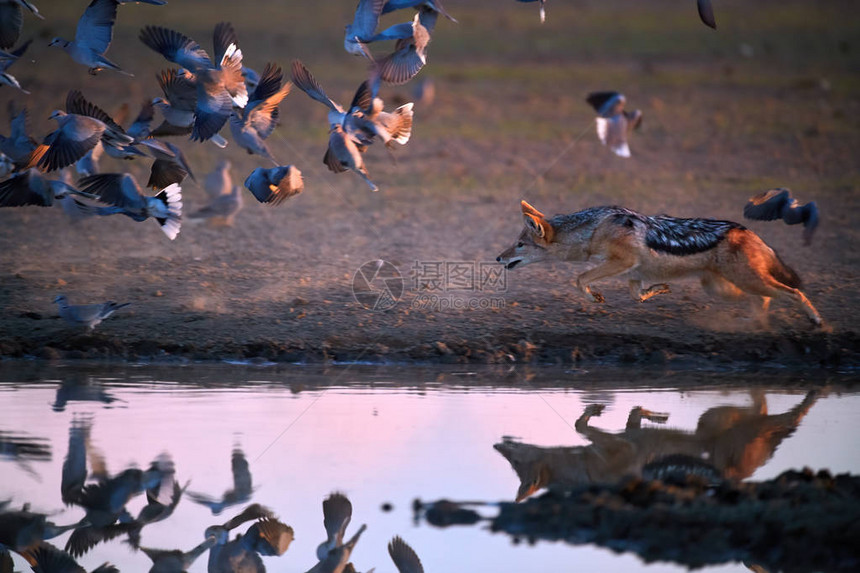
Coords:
pixel 381 435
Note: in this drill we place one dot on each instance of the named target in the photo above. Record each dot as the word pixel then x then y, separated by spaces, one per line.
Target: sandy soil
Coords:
pixel 771 99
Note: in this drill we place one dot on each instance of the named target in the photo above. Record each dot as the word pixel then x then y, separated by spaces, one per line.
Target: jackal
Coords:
pixel 731 441
pixel 729 259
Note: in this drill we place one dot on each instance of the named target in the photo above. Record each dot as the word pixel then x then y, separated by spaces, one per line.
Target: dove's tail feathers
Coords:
pixel 171 196
pixel 401 129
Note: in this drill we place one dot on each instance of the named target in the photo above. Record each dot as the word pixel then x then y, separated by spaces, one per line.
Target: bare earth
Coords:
pixel 770 99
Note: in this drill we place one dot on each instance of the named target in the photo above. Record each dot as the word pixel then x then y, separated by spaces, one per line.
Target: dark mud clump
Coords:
pixel 800 521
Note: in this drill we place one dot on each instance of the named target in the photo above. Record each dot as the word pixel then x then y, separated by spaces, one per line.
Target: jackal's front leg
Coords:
pixel 642 294
pixel 610 268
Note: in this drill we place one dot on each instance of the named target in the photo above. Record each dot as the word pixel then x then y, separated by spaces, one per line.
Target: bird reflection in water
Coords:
pixel 241 491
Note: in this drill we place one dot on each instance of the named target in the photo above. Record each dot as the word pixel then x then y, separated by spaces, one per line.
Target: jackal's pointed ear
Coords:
pixel 534 224
pixel 529 210
pixel 539 227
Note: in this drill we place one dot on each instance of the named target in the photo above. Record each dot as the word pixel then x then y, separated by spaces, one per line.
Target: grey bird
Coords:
pixel 239 493
pixel 404 557
pixel 105 504
pixel 219 84
pixel 344 154
pixel 410 51
pixel 254 123
pixel 170 165
pixel 123 195
pixel 219 181
pixel 223 207
pixel 179 105
pixel 175 560
pixel 779 204
pixel 23 529
pixel 542 9
pixel 337 559
pixel 435 5
pixel 89 315
pixel 81 127
pixel 345 147
pixel 267 536
pixel 12 20
pixel 32 188
pixel 45 558
pixel 18 146
pixel 706 13
pixel 6 165
pixel 363 26
pixel 6 61
pixel 89 163
pixel 275 185
pixel 337 513
pixel 305 81
pixel 614 123
pixel 390 127
pixel 94 34
pixel 74 474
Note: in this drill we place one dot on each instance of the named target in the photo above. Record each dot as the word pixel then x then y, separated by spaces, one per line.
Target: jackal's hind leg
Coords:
pixel 784 291
pixel 642 294
pixel 760 306
pixel 715 285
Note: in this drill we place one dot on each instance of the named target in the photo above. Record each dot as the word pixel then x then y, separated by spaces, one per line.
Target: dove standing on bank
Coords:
pixel 89 315
pixel 12 20
pixel 275 185
pixel 614 123
pixel 779 204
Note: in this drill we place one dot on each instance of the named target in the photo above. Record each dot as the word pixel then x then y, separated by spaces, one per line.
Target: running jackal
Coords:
pixel 729 259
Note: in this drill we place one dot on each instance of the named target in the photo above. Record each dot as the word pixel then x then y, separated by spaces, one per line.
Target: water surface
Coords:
pixel 382 435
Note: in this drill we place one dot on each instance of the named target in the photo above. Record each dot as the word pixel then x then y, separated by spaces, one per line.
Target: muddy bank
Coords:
pixel 798 350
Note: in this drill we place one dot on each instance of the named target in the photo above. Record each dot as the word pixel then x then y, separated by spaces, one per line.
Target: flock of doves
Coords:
pixel 203 94
pixel 105 496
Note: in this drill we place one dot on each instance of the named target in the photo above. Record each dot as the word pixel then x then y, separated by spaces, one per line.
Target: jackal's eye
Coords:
pixel 520 245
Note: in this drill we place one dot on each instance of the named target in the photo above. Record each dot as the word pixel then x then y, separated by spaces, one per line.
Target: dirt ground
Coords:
pixel 770 99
